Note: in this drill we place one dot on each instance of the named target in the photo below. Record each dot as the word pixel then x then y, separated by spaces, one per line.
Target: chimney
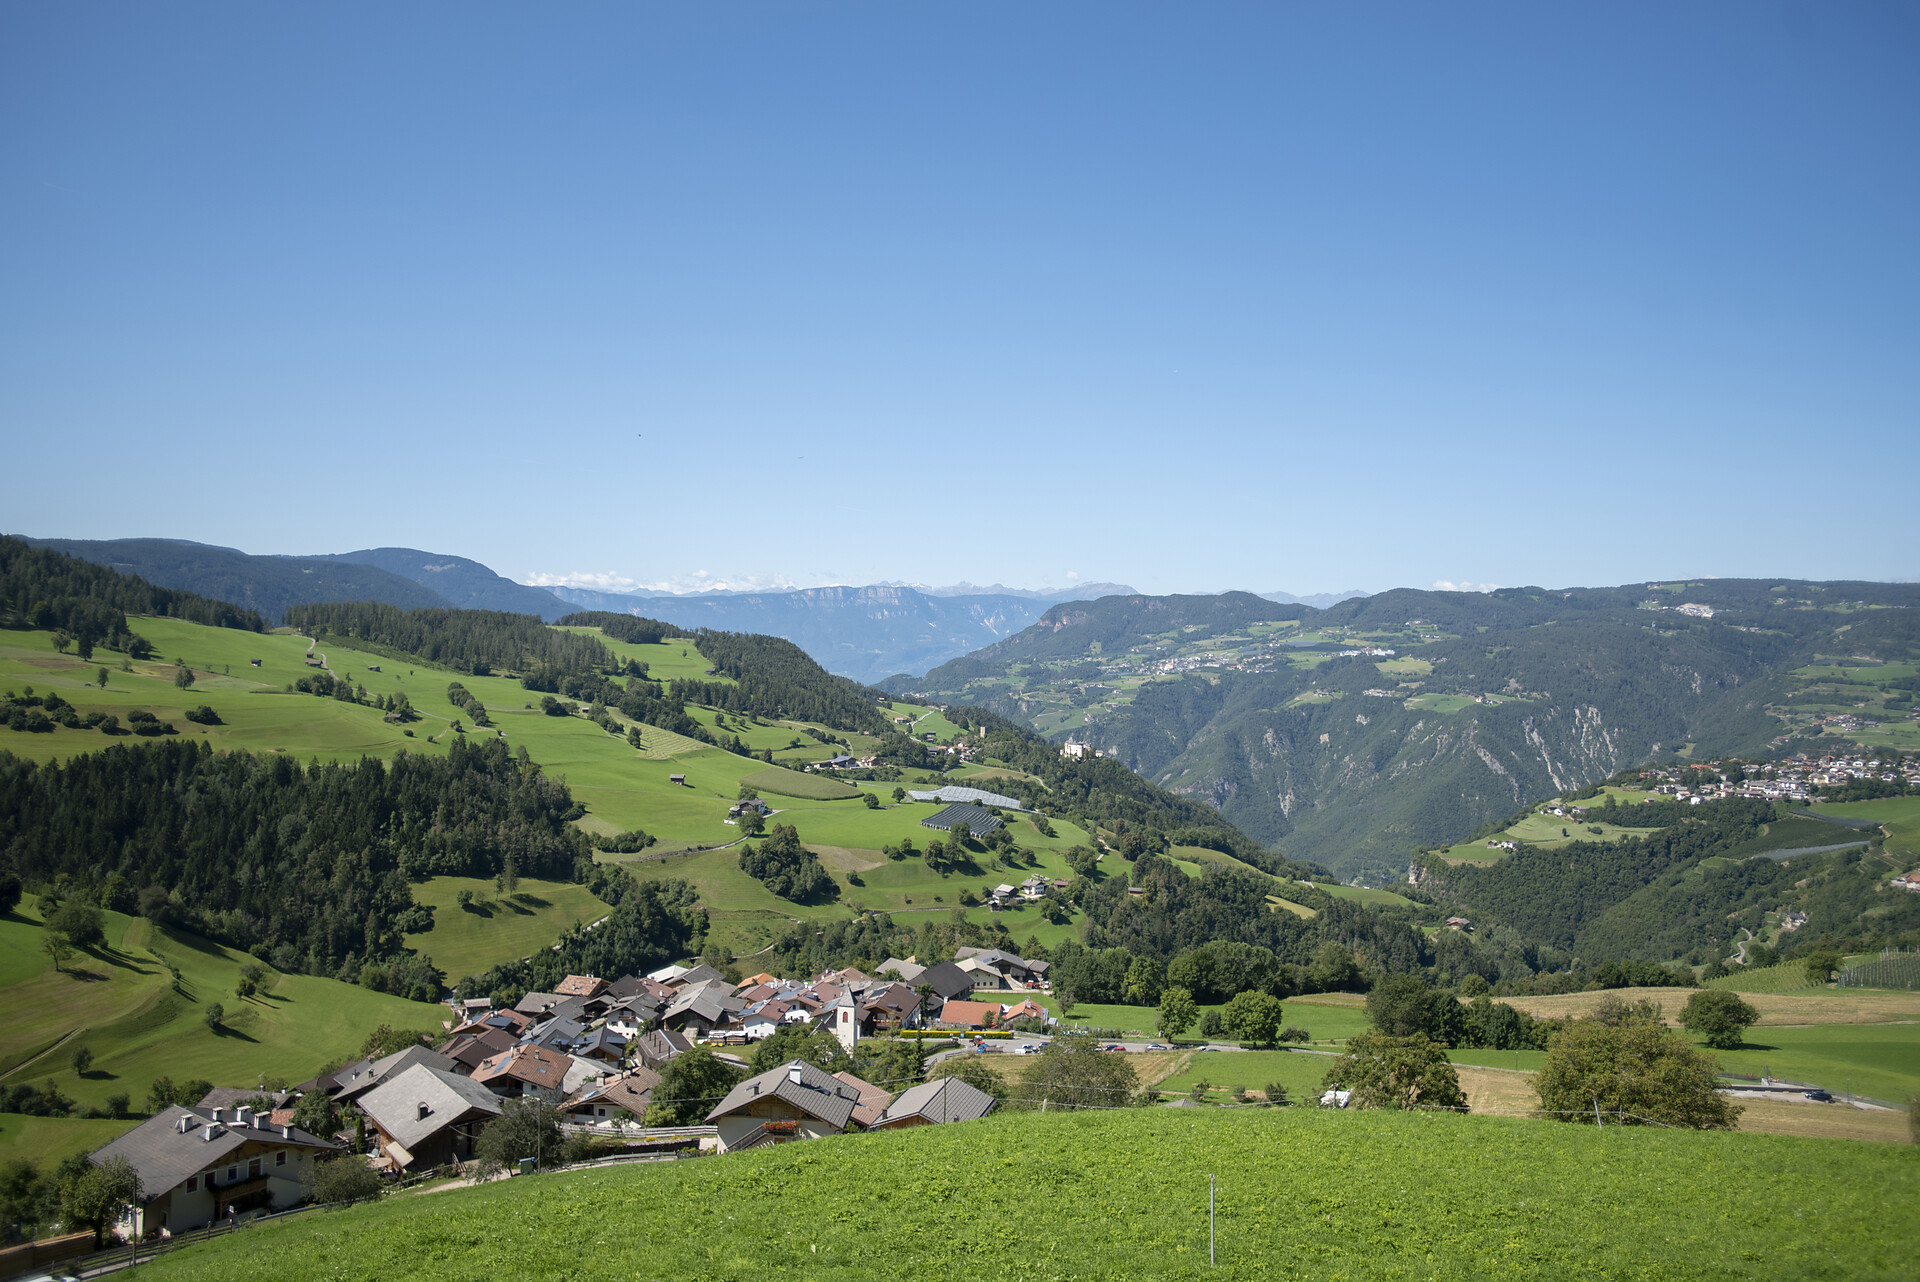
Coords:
pixel 793 1074
pixel 424 1111
pixel 216 1116
pixel 243 1115
pixel 286 1132
pixel 208 1137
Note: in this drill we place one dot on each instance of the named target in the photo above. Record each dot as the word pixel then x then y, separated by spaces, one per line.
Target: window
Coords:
pixel 193 1183
pixel 280 1158
pixel 253 1169
pixel 233 1173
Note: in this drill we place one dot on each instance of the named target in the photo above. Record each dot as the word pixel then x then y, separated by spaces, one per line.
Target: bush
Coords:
pixel 525 1128
pixel 204 715
pixel 1276 1093
pixel 345 1179
pixel 1295 1033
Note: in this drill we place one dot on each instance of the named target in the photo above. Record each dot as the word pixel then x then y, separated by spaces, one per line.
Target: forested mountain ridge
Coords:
pixel 466 584
pixel 268 585
pixel 1353 735
pixel 1692 888
pixel 46 588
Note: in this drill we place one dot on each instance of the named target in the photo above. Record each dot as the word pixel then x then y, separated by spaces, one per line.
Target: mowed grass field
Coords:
pixel 1124 1194
pixel 1900 816
pixel 125 1005
pixel 1865 1042
pixel 849 839
pixel 468 941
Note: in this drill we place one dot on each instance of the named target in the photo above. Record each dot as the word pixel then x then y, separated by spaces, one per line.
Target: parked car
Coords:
pixel 1155 1046
pixel 1820 1096
pixel 1028 1048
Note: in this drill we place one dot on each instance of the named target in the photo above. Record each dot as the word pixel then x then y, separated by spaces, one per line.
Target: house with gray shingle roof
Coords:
pixel 795 1101
pixel 426 1117
pixel 199 1165
pixel 945 1099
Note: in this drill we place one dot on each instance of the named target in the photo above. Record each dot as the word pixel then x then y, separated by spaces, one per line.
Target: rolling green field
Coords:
pixel 791 783
pixel 1881 1060
pixel 1225 1071
pixel 1125 1194
pixel 497 927
pixel 1330 1017
pixel 1784 977
pixel 47 1141
pixel 140 1022
pixel 1796 832
pixel 1364 895
pixel 848 837
pixel 1900 816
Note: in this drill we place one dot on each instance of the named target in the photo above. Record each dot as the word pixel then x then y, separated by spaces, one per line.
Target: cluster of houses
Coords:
pixel 1793 778
pixel 594 1049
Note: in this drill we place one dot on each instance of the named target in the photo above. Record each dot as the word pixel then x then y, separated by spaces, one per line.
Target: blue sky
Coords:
pixel 1192 297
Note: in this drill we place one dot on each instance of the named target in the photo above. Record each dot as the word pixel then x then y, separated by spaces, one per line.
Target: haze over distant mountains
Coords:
pixel 867 633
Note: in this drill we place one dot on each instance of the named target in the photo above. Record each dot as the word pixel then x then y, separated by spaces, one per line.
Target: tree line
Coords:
pixel 306 866
pixel 630 628
pixel 50 591
pixel 478 642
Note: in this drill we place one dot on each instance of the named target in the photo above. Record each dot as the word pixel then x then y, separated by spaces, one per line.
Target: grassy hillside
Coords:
pixel 141 1022
pixel 466 941
pixel 1125 1194
pixel 849 838
pixel 622 787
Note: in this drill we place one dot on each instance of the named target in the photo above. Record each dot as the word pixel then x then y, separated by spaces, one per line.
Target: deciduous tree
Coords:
pixel 1720 1016
pixel 1177 1012
pixel 1633 1074
pixel 1397 1072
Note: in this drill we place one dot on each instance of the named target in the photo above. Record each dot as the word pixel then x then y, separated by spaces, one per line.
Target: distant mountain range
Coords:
pixel 867 633
pixel 1353 735
pixel 1318 600
pixel 406 577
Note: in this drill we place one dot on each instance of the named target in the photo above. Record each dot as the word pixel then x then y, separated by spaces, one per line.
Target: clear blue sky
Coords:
pixel 1193 297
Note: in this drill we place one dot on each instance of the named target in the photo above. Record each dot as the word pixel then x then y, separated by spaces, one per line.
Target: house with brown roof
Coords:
pixel 200 1165
pixel 968 1016
pixel 872 1102
pixel 535 1071
pixel 425 1118
pixel 1026 1008
pixel 467 1050
pixel 616 1098
pixel 795 1101
pixel 580 986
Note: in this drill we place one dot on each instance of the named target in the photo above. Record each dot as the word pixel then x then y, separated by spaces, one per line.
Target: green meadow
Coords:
pixel 496 926
pixel 1126 1193
pixel 1879 1060
pixel 1900 816
pixel 125 1002
pixel 849 838
pixel 1365 895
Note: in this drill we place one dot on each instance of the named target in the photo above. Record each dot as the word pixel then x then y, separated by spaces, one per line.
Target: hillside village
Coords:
pixel 596 1052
